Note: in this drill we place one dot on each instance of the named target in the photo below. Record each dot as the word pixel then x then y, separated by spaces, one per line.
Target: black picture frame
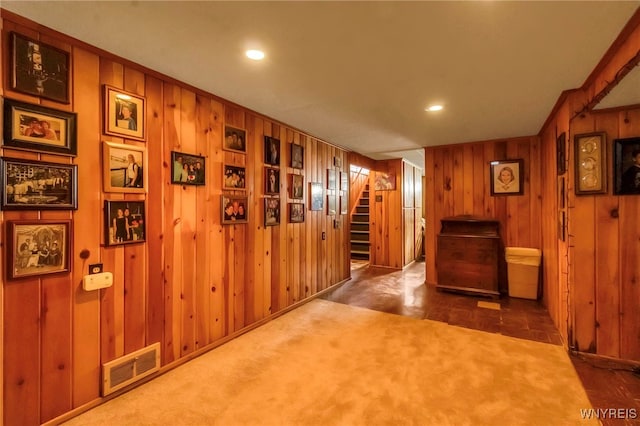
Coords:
pixel 561 158
pixel 234 177
pixel 235 139
pixel 124 222
pixel 626 166
pixel 39 69
pixel 271 181
pixel 38 185
pixel 234 209
pixel 297 156
pixel 36 128
pixel 271 211
pixel 296 189
pixel 271 151
pixel 507 177
pixel 296 212
pixel 195 172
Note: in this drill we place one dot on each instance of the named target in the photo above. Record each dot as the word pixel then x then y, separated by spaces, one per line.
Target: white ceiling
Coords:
pixel 359 74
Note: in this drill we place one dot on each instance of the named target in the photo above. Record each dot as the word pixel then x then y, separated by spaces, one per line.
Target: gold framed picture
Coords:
pixel 124 114
pixel 590 163
pixel 124 168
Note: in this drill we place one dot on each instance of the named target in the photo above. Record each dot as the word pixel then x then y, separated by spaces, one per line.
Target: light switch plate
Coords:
pixel 97 281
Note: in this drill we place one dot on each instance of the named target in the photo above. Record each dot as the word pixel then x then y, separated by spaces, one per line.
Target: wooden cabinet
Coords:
pixel 468 255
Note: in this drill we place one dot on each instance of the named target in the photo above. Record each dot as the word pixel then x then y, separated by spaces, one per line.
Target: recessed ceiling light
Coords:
pixel 256 55
pixel 434 108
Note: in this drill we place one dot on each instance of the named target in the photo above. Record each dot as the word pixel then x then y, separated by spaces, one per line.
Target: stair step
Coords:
pixel 359 252
pixel 362 242
pixel 359 231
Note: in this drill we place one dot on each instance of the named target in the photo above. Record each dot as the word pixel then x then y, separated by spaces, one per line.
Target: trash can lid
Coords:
pixel 523 255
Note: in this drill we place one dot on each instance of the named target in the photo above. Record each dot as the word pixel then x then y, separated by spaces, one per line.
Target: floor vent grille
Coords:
pixel 130 368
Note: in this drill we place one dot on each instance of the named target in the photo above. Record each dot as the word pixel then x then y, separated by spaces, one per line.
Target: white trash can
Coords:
pixel 522 271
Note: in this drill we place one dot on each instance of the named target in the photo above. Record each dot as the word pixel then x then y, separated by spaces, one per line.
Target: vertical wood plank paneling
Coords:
pixel 457 181
pixel 431 228
pixel 468 198
pixel 480 190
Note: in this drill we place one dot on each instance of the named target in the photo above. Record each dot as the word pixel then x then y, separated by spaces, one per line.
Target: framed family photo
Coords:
pixel 37 128
pixel 234 209
pixel 590 163
pixel 296 212
pixel 234 177
pixel 507 177
pixel 39 69
pixel 235 139
pixel 316 196
pixel 124 222
pixel 271 211
pixel 271 181
pixel 271 151
pixel 38 185
pixel 626 164
pixel 37 247
pixel 124 168
pixel 297 156
pixel 187 169
pixel 124 114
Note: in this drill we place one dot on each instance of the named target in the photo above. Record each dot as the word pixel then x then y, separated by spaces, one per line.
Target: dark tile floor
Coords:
pixel 404 293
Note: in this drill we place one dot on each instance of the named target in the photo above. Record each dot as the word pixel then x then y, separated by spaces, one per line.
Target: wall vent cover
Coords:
pixel 130 368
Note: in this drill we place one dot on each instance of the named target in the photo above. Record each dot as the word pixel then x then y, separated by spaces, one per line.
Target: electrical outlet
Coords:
pixel 324 235
pixel 95 268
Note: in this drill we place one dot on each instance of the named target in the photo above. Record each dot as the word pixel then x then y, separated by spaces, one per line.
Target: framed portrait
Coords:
pixel 234 177
pixel 271 211
pixel 384 181
pixel 590 163
pixel 124 114
pixel 271 151
pixel 187 169
pixel 235 139
pixel 271 180
pixel 296 212
pixel 37 247
pixel 297 156
pixel 39 69
pixel 331 204
pixel 626 162
pixel 234 209
pixel 297 187
pixel 331 179
pixel 507 177
pixel 124 222
pixel 561 159
pixel 124 168
pixel 316 196
pixel 38 185
pixel 37 128
pixel 337 162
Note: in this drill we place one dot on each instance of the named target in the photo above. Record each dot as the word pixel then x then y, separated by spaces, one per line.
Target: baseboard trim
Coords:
pixel 607 361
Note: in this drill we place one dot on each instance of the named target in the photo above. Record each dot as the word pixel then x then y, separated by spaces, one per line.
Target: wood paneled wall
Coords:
pixel 194 281
pixel 411 211
pixel 457 183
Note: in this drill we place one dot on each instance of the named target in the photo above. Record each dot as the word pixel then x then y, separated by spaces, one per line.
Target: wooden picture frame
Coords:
pixel 590 163
pixel 233 177
pixel 39 69
pixel 507 177
pixel 296 212
pixel 187 169
pixel 124 113
pixel 385 181
pixel 316 196
pixel 344 181
pixel 626 163
pixel 271 211
pixel 36 128
pixel 297 156
pixel 297 187
pixel 561 192
pixel 124 222
pixel 235 209
pixel 271 151
pixel 337 161
pixel 38 185
pixel 344 203
pixel 37 247
pixel 561 149
pixel 332 182
pixel 331 204
pixel 271 181
pixel 124 168
pixel 235 139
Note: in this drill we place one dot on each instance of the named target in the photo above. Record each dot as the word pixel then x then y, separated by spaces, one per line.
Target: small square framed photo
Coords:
pixel 124 168
pixel 235 139
pixel 297 156
pixel 296 212
pixel 626 161
pixel 271 211
pixel 38 185
pixel 590 163
pixel 316 196
pixel 37 247
pixel 39 69
pixel 271 151
pixel 37 128
pixel 124 222
pixel 234 209
pixel 124 114
pixel 271 181
pixel 187 169
pixel 507 177
pixel 297 187
pixel 234 177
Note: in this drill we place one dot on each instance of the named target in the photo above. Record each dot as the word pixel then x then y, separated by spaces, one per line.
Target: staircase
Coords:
pixel 360 228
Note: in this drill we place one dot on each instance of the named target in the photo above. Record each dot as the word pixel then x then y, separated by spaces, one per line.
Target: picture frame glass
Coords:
pixel 271 211
pixel 125 222
pixel 124 114
pixel 297 187
pixel 296 212
pixel 234 177
pixel 234 209
pixel 38 247
pixel 297 156
pixel 124 168
pixel 187 169
pixel 507 177
pixel 271 151
pixel 316 199
pixel 271 180
pixel 384 181
pixel 235 139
